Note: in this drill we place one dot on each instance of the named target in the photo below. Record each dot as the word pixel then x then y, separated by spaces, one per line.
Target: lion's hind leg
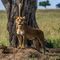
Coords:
pixel 36 44
pixel 41 40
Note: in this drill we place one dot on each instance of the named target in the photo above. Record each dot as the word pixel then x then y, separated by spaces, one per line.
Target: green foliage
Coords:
pixel 58 5
pixel 50 43
pixel 54 43
pixel 44 3
pixel 33 57
pixel 26 58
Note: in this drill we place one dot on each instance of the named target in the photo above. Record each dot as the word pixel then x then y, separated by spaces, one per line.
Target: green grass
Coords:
pixel 48 21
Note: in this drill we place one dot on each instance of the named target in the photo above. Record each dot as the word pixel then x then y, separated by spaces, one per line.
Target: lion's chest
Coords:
pixel 19 32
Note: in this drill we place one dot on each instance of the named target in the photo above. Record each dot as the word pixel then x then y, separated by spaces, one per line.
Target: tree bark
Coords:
pixel 28 10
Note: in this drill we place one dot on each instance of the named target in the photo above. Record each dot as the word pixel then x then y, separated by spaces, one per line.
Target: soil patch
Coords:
pixel 10 53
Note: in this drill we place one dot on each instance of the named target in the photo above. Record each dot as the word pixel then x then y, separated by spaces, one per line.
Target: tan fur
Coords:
pixel 28 33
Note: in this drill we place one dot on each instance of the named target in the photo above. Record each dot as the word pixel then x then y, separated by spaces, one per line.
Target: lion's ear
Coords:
pixel 24 17
pixel 15 17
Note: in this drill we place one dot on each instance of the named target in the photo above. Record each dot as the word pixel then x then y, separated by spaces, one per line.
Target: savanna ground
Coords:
pixel 48 20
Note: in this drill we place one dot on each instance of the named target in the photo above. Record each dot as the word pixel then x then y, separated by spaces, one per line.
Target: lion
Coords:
pixel 28 32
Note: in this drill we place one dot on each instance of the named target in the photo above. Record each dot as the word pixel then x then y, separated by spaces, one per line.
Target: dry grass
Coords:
pixel 48 20
pixel 3 28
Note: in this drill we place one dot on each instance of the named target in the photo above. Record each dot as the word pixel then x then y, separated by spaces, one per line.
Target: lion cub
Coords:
pixel 22 29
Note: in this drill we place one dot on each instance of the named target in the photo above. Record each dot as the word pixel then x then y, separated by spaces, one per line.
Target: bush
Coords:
pixel 55 43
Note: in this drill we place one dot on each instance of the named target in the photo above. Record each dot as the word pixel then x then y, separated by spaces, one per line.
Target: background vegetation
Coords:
pixel 4 36
pixel 44 3
pixel 48 20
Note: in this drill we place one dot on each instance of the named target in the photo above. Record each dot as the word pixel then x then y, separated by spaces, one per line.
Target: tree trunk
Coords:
pixel 45 7
pixel 28 10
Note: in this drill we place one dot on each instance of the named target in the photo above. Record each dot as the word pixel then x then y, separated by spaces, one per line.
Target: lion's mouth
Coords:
pixel 19 26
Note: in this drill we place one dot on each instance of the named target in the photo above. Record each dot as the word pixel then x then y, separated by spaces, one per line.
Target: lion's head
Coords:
pixel 19 22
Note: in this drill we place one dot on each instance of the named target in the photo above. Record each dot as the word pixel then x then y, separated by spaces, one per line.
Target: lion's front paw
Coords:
pixel 19 47
pixel 23 47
